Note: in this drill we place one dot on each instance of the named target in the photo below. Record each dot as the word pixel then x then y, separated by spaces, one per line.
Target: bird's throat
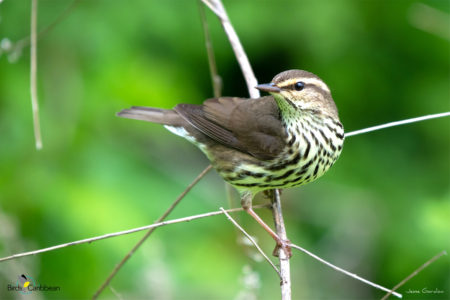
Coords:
pixel 288 110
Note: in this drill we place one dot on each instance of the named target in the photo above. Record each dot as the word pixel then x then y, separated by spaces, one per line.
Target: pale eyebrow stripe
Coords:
pixel 313 81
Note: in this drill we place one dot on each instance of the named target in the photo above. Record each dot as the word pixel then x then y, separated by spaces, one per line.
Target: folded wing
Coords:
pixel 252 126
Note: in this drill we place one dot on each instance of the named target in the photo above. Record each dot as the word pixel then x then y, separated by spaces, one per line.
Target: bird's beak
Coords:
pixel 268 87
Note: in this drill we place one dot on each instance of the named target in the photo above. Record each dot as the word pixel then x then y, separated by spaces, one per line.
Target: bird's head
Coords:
pixel 301 90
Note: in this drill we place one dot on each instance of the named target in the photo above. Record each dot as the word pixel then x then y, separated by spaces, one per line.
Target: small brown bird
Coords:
pixel 284 140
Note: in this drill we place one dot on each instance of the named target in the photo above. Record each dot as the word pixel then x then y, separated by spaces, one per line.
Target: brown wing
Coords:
pixel 250 125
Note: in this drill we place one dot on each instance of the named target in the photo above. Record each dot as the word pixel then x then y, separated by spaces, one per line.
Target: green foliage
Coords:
pixel 381 212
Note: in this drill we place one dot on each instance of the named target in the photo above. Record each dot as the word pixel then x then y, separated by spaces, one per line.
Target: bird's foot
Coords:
pixel 268 194
pixel 284 245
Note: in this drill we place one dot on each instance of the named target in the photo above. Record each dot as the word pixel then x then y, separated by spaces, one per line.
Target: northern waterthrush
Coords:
pixel 284 140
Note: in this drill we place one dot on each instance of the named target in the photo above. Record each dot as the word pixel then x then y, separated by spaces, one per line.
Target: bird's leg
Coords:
pixel 268 194
pixel 246 202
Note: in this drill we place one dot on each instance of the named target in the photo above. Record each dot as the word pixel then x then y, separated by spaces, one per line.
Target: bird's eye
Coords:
pixel 298 86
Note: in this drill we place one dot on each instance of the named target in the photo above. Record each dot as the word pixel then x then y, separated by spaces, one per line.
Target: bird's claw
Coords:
pixel 283 244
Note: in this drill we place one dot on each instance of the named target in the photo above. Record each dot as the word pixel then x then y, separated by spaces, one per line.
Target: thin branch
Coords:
pixel 216 81
pixel 217 7
pixel 33 76
pixel 397 123
pixel 344 271
pixel 124 232
pixel 429 262
pixel 144 238
pixel 285 267
pixel 251 240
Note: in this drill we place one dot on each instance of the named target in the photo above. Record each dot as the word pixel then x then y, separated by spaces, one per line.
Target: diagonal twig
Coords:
pixel 251 239
pixel 144 238
pixel 426 264
pixel 124 232
pixel 397 123
pixel 217 7
pixel 33 76
pixel 344 271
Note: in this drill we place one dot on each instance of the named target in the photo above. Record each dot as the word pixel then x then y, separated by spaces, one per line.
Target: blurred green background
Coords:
pixel 381 212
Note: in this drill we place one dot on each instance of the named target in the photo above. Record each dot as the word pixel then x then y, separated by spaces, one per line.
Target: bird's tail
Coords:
pixel 154 115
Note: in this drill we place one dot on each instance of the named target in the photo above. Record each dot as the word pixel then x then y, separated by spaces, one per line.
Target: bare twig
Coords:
pixel 144 238
pixel 251 240
pixel 124 232
pixel 397 123
pixel 285 268
pixel 429 262
pixel 217 7
pixel 33 76
pixel 343 271
pixel 215 78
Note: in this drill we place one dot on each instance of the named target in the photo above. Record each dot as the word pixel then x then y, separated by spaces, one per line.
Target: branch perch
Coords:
pixel 285 267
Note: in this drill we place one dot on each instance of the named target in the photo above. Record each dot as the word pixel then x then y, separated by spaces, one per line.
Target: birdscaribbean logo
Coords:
pixel 26 284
